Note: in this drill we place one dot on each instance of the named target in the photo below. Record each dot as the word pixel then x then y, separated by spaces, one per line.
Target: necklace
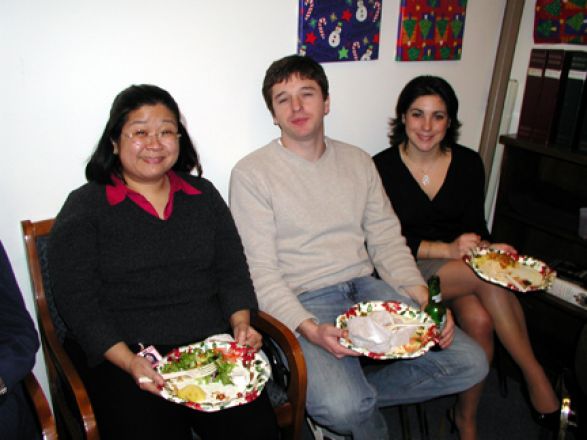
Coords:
pixel 425 179
pixel 425 172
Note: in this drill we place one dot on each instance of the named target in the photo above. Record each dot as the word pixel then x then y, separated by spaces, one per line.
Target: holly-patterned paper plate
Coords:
pixel 516 272
pixel 248 376
pixel 423 339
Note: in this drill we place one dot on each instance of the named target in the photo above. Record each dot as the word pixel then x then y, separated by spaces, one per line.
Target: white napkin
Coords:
pixel 376 333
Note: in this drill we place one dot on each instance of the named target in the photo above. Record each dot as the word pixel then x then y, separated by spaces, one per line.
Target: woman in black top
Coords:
pixel 147 254
pixel 437 190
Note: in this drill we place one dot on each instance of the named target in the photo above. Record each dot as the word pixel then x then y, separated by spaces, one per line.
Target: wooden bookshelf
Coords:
pixel 540 192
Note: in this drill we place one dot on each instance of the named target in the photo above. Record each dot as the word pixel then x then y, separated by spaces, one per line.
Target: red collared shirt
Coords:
pixel 116 193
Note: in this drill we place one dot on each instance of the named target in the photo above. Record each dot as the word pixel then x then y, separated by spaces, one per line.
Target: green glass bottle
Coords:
pixel 435 308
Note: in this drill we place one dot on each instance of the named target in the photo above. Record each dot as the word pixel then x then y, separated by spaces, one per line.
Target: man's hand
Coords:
pixel 448 333
pixel 419 294
pixel 326 336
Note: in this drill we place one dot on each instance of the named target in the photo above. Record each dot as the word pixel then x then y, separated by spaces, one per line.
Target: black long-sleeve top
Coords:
pixel 122 274
pixel 455 210
pixel 19 341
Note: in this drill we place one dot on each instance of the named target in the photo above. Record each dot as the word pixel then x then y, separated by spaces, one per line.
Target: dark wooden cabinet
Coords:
pixel 537 211
pixel 540 192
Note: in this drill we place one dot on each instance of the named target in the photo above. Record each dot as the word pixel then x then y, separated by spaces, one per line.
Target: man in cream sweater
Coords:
pixel 315 223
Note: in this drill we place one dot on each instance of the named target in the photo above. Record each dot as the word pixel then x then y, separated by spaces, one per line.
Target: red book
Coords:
pixel 534 77
pixel 551 95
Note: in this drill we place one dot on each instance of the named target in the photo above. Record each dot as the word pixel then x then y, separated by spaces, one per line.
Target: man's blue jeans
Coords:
pixel 346 399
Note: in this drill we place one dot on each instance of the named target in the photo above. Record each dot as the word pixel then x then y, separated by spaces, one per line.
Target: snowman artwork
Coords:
pixel 334 37
pixel 361 14
pixel 367 55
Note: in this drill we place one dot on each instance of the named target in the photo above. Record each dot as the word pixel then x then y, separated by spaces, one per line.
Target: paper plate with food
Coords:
pixel 387 330
pixel 213 375
pixel 516 272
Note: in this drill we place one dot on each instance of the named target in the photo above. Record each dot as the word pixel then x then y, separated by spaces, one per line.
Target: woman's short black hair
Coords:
pixel 103 162
pixel 425 85
pixel 284 68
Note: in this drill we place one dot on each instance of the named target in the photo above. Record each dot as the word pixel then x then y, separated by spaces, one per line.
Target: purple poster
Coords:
pixel 339 30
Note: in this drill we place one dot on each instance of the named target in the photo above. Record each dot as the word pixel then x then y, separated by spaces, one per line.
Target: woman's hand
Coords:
pixel 504 247
pixel 137 366
pixel 244 334
pixel 463 244
pixel 242 331
pixel 140 368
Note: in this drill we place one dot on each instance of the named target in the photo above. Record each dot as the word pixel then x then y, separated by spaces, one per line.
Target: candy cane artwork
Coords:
pixel 355 48
pixel 321 23
pixel 377 7
pixel 310 4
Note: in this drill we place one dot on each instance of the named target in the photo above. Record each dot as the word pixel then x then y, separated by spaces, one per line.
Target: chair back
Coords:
pixel 73 411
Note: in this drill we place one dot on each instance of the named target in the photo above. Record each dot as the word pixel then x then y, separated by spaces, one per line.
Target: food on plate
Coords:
pixel 191 393
pixel 239 377
pixel 194 358
pixel 502 267
pixel 387 330
pixel 383 332
pixel 517 272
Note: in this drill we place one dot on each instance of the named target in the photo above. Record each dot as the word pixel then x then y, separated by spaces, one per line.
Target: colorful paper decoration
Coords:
pixel 557 21
pixel 339 30
pixel 430 30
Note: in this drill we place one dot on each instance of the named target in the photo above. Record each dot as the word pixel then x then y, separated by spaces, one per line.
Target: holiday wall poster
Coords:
pixel 339 30
pixel 430 30
pixel 557 21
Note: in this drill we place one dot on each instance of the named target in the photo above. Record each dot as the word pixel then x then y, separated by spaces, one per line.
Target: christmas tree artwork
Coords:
pixel 557 21
pixel 430 30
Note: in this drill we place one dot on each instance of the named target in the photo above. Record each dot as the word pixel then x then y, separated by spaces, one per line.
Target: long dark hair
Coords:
pixel 425 85
pixel 104 163
pixel 284 68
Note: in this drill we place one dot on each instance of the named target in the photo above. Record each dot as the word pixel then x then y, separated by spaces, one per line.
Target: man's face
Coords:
pixel 299 108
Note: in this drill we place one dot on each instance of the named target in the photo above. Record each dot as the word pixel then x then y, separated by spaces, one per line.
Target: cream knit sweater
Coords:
pixel 307 225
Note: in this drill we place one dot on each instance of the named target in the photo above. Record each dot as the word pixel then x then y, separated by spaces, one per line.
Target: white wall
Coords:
pixel 63 61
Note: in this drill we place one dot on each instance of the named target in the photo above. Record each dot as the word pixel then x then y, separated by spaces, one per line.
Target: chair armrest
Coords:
pixel 65 369
pixel 288 343
pixel 42 408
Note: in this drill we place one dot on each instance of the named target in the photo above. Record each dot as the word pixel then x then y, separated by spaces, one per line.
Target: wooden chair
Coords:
pixel 41 407
pixel 73 410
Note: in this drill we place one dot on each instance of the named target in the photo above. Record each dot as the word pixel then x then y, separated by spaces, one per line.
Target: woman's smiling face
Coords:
pixel 149 145
pixel 426 122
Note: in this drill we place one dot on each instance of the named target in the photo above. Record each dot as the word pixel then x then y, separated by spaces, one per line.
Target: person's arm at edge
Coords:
pixel 19 341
